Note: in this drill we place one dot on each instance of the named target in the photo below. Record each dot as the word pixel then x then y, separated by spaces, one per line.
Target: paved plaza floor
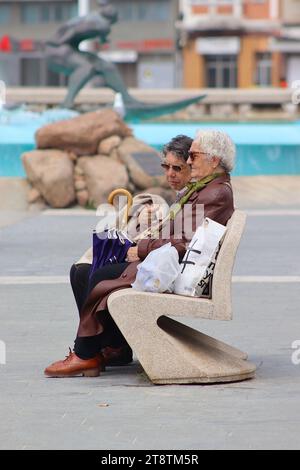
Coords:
pixel 121 409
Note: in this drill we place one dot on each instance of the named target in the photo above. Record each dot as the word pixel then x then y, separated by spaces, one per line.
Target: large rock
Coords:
pixel 51 173
pixel 82 197
pixel 82 134
pixel 80 185
pixel 33 195
pixel 142 162
pixel 102 175
pixel 114 155
pixel 107 145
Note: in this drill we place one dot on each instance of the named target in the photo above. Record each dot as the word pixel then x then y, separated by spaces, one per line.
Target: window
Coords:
pixel 128 72
pixel 55 79
pixel 155 11
pixel 263 69
pixel 30 14
pixel 34 13
pixel 125 11
pixel 213 3
pixel 45 14
pixel 221 2
pixel 221 71
pixel 65 11
pixel 57 12
pixel 35 72
pixel 5 14
pixel 143 10
pixel 31 71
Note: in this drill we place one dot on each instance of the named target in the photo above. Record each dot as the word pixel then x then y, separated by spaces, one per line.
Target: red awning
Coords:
pixel 26 45
pixel 5 44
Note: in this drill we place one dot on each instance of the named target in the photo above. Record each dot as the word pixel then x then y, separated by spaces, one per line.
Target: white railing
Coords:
pixel 55 95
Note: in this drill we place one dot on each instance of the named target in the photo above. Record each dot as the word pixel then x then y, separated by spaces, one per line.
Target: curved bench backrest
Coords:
pixel 221 283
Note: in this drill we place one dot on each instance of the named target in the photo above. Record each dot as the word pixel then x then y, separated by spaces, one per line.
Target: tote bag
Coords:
pixel 199 260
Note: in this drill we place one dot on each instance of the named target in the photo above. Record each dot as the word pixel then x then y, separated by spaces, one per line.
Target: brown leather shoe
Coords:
pixel 117 356
pixel 73 366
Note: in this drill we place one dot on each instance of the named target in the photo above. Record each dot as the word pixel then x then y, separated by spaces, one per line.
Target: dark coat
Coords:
pixel 217 199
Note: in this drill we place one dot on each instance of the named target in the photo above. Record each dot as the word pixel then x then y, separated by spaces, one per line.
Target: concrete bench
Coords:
pixel 171 352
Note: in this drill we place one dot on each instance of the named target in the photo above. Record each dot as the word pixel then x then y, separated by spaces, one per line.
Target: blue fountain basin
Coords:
pixel 262 148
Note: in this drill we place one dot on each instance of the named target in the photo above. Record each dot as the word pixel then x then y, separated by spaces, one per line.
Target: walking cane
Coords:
pixel 126 193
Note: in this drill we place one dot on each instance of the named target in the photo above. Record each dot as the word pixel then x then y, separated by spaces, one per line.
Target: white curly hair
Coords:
pixel 217 144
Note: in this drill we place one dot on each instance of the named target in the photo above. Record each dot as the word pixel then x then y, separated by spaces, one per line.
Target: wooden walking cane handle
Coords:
pixel 126 193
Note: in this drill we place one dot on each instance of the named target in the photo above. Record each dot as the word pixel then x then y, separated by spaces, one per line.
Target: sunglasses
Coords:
pixel 192 155
pixel 175 168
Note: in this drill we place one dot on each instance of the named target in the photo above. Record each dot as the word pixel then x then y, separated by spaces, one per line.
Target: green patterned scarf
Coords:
pixel 191 188
pixel 176 208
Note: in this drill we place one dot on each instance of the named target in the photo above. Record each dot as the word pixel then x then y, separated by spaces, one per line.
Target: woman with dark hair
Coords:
pixel 175 155
pixel 111 344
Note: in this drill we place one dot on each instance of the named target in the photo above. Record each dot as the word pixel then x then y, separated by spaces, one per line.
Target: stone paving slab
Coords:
pixel 8 218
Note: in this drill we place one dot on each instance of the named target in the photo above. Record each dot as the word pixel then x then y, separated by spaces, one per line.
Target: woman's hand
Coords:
pixel 132 254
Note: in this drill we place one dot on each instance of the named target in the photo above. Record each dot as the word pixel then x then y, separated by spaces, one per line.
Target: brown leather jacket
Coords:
pixel 217 199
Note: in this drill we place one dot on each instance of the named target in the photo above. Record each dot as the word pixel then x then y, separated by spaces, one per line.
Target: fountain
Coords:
pixel 263 149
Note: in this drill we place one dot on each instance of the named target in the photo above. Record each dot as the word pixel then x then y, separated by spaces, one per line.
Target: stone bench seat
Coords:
pixel 171 352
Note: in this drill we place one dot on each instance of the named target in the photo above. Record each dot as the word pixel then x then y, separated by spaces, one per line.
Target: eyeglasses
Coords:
pixel 192 155
pixel 175 168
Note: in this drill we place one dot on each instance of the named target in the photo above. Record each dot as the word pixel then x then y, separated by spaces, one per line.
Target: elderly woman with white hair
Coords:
pixel 211 157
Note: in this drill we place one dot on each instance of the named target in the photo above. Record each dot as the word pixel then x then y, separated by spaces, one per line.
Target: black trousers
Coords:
pixel 88 346
pixel 79 278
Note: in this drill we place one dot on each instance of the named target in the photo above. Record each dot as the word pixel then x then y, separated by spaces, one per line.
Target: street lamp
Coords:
pixel 83 7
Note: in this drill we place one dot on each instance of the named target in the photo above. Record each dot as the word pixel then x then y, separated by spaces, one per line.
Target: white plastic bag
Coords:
pixel 158 271
pixel 199 259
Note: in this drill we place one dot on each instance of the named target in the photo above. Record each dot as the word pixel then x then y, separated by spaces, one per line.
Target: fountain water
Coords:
pixel 262 148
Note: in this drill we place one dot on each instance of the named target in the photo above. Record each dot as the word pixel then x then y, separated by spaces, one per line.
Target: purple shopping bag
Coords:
pixel 109 247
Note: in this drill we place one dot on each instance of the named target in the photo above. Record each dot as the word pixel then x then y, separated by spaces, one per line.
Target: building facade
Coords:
pixel 24 25
pixel 142 42
pixel 287 42
pixel 228 43
pixel 163 43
